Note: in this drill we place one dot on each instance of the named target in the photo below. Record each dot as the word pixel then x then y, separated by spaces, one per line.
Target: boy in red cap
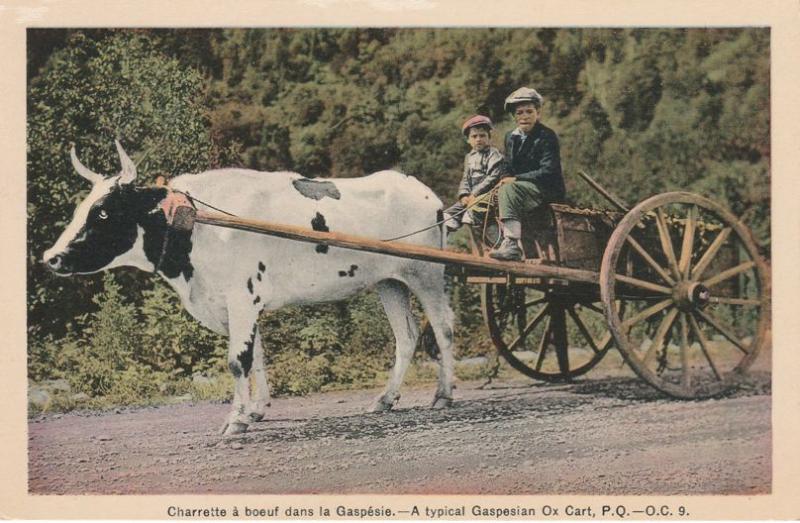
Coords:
pixel 484 166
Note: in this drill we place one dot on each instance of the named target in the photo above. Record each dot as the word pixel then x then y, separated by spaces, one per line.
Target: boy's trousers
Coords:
pixel 520 198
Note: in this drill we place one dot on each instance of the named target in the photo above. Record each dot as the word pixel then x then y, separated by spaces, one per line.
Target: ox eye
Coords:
pixel 102 214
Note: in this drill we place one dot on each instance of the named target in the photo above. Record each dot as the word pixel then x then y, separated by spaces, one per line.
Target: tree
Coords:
pixel 90 92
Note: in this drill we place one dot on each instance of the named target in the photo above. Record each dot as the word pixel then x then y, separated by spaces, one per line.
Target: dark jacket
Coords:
pixel 537 160
pixel 482 171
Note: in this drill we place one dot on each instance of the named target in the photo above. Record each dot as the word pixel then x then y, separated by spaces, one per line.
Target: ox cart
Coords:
pixel 676 283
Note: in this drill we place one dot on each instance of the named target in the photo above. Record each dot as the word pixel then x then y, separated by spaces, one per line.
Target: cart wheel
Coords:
pixel 546 335
pixel 697 303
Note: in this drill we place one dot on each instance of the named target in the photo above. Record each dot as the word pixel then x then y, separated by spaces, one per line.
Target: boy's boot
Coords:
pixel 509 249
pixel 453 223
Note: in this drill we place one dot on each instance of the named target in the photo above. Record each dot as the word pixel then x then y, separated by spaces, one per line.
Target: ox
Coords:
pixel 225 278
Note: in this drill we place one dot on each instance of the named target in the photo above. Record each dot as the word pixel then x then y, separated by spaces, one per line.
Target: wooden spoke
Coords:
pixel 710 253
pixel 646 313
pixel 558 327
pixel 730 273
pixel 593 307
pixel 528 328
pixel 541 329
pixel 684 264
pixel 722 328
pixel 666 241
pixel 649 259
pixel 543 345
pixel 734 301
pixel 581 327
pixel 701 338
pixel 502 318
pixel 686 376
pixel 498 304
pixel 618 306
pixel 635 282
pixel 606 341
pixel 508 304
pixel 661 333
pixel 505 307
pixel 562 355
pixel 533 302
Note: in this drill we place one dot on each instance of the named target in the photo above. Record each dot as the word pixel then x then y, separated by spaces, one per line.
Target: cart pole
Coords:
pixel 401 250
pixel 616 202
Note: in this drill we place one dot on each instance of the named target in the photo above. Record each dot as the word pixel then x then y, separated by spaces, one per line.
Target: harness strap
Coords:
pixel 179 212
pixel 481 203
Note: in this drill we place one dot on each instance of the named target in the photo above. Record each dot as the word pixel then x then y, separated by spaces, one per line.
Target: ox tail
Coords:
pixel 427 340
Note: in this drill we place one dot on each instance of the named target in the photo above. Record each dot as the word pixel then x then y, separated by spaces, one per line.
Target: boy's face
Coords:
pixel 526 115
pixel 478 138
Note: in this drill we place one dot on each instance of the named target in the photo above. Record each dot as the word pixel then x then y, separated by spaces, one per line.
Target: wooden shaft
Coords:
pixel 616 202
pixel 402 250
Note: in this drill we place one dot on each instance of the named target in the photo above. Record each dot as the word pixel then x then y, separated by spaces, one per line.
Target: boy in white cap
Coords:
pixel 534 163
pixel 484 166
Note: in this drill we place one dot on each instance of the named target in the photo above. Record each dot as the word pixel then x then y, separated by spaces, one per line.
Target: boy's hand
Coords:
pixel 467 200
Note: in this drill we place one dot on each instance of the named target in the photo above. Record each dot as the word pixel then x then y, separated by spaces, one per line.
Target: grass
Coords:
pixel 422 371
pixel 220 388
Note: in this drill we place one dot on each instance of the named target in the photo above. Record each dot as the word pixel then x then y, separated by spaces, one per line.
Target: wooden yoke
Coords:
pixel 177 208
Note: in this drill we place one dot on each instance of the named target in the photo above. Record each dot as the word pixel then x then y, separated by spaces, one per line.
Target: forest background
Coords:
pixel 644 110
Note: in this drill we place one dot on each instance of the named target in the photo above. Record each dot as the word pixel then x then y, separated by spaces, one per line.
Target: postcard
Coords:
pixel 414 260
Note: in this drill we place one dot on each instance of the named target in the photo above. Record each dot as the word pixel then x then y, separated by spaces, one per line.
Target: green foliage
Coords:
pixel 645 110
pixel 104 360
pixel 88 93
pixel 173 340
pixel 312 348
pixel 128 354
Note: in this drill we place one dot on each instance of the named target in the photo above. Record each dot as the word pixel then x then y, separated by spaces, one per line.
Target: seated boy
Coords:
pixel 484 166
pixel 534 163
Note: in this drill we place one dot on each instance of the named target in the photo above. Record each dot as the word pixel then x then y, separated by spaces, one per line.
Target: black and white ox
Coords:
pixel 225 277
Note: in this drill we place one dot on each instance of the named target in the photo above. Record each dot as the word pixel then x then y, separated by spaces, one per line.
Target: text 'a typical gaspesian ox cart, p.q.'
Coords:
pixel 676 283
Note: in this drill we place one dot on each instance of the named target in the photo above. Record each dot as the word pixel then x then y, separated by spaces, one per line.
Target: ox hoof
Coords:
pixel 381 407
pixel 384 404
pixel 257 411
pixel 236 427
pixel 441 402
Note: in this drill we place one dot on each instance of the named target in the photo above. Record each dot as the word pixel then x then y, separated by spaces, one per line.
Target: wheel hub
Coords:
pixel 691 295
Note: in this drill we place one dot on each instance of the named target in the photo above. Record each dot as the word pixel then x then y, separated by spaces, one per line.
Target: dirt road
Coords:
pixel 600 436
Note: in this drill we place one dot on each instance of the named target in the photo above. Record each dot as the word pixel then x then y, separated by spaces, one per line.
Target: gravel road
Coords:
pixel 598 436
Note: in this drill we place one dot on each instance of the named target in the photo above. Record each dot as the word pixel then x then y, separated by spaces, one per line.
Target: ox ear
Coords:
pixel 82 169
pixel 128 167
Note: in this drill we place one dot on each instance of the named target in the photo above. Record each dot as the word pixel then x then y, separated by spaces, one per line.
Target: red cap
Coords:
pixel 475 121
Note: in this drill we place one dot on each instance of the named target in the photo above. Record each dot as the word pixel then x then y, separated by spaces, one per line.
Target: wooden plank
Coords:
pixel 517 280
pixel 488 279
pixel 402 250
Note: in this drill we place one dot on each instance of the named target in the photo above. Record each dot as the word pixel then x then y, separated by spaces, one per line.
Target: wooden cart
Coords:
pixel 676 283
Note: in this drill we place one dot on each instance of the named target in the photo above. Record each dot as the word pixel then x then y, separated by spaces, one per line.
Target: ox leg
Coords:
pixel 261 401
pixel 396 302
pixel 241 350
pixel 435 303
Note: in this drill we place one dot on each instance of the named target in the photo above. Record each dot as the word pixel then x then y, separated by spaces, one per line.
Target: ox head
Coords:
pixel 106 225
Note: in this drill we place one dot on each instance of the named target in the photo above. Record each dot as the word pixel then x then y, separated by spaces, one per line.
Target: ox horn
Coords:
pixel 128 167
pixel 82 169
